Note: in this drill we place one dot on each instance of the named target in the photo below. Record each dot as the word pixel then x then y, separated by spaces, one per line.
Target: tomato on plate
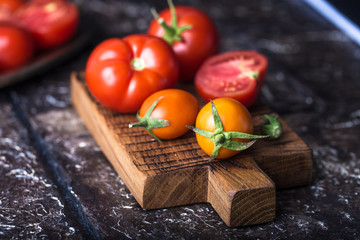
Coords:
pixel 8 7
pixel 224 128
pixel 166 113
pixel 122 73
pixel 234 74
pixel 51 22
pixel 192 34
pixel 16 46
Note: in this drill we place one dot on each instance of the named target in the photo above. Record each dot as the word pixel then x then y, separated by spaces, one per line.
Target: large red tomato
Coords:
pixel 51 22
pixel 235 74
pixel 16 46
pixel 122 73
pixel 192 34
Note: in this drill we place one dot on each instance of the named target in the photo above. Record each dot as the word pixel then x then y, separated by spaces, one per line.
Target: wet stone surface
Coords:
pixel 312 82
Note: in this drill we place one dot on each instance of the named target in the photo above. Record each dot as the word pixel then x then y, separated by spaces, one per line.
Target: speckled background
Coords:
pixel 57 184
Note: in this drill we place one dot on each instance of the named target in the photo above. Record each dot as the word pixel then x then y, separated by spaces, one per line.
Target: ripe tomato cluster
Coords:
pixel 139 72
pixel 29 27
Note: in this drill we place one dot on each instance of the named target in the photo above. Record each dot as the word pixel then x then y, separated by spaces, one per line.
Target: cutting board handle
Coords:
pixel 240 192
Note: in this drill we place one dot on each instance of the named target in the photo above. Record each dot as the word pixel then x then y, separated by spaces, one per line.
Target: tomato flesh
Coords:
pixel 237 74
pixel 229 79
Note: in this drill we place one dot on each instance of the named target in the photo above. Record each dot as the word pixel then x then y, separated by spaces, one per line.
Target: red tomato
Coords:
pixel 8 7
pixel 235 74
pixel 122 73
pixel 193 44
pixel 16 46
pixel 51 22
pixel 171 106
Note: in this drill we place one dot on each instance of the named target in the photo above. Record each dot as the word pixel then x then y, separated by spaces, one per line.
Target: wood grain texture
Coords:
pixel 177 172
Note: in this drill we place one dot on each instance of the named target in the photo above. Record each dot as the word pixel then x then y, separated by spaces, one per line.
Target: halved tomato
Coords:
pixel 235 74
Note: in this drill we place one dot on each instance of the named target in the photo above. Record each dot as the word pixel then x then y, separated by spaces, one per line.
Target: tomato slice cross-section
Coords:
pixel 235 74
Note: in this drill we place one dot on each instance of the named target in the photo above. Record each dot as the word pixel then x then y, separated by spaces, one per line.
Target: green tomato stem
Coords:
pixel 149 123
pixel 200 131
pixel 173 14
pixel 254 75
pixel 223 139
pixel 245 135
pixel 137 64
pixel 217 121
pixel 215 153
pixel 173 32
pixel 272 127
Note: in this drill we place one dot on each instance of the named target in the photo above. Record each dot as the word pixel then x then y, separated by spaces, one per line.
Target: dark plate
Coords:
pixel 46 60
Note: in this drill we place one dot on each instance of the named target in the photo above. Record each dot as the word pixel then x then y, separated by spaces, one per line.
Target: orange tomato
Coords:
pixel 177 107
pixel 234 117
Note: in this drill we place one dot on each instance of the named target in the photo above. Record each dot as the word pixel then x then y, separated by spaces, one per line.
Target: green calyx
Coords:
pixel 137 64
pixel 223 139
pixel 149 123
pixel 272 127
pixel 172 32
pixel 254 75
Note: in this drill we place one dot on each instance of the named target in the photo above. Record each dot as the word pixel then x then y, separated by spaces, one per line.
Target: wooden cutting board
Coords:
pixel 177 172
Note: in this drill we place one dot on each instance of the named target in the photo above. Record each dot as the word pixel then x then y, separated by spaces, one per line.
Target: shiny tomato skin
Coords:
pixel 51 22
pixel 10 5
pixel 16 46
pixel 227 75
pixel 177 106
pixel 234 117
pixel 7 8
pixel 116 84
pixel 199 42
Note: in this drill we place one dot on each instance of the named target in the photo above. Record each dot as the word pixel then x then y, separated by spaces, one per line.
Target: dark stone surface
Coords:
pixel 312 82
pixel 30 204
